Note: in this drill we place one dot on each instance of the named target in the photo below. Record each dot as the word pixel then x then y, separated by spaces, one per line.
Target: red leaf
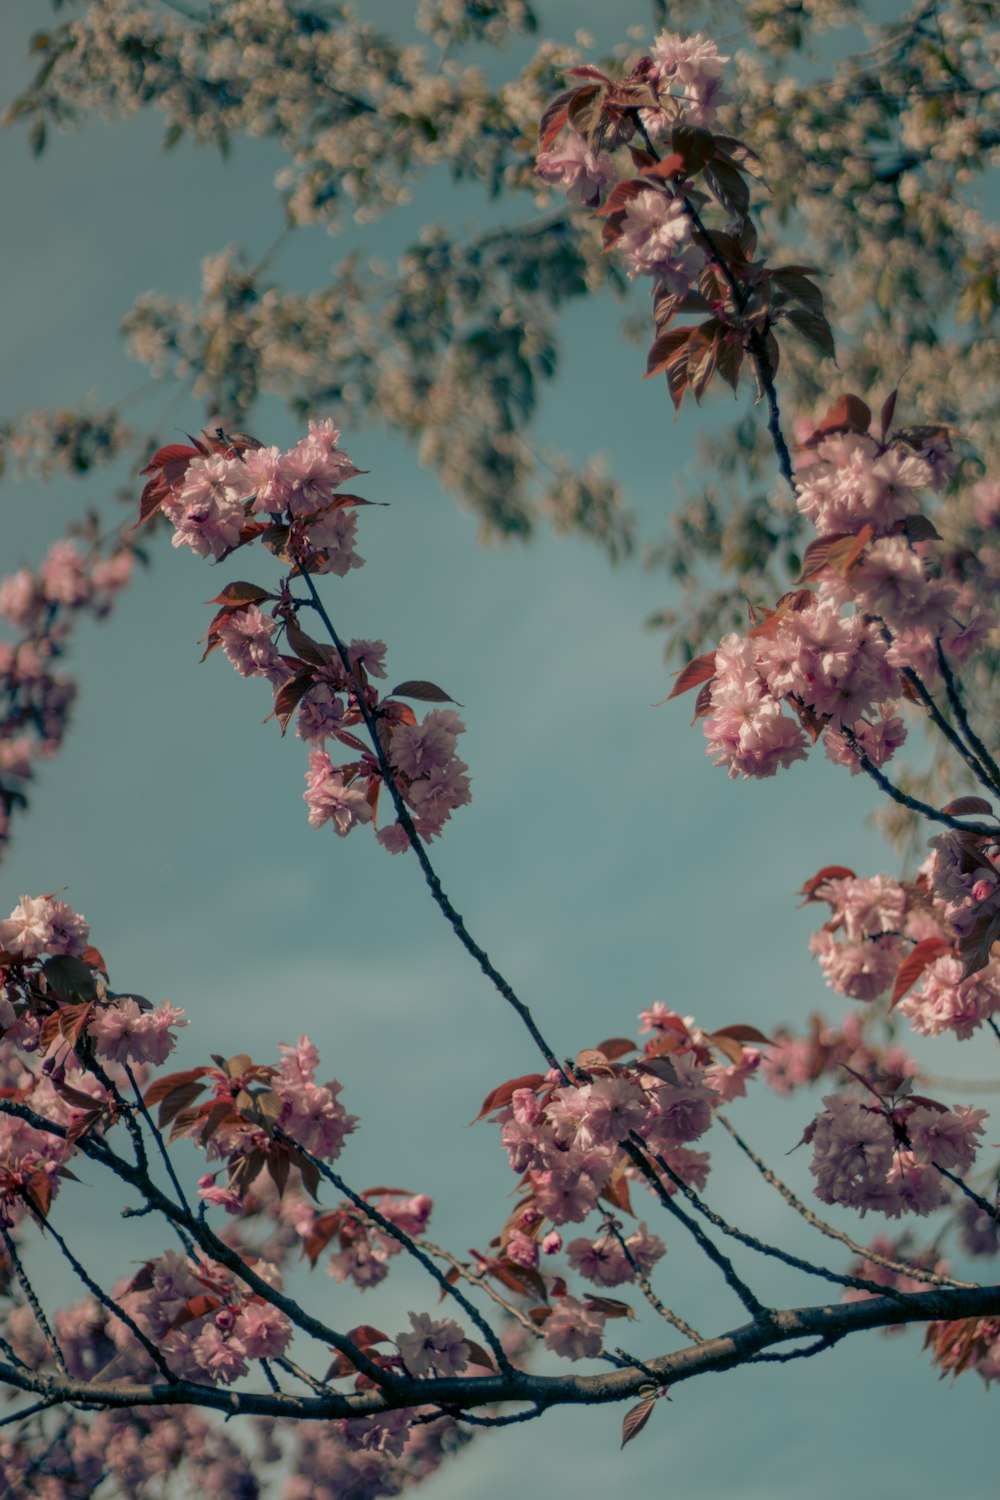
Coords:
pixel 163 1086
pixel 912 967
pixel 961 806
pixel 305 647
pixel 701 669
pixel 636 1418
pixel 237 595
pixel 503 1093
pixel 610 1307
pixel 615 1047
pixel 847 412
pixel 741 1033
pixel 888 408
pixel 288 696
pixel 667 350
pixel 478 1355
pixel 424 692
pixel 828 872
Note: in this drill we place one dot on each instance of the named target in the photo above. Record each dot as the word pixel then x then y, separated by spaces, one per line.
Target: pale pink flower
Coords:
pixel 331 799
pixel 20 601
pixel 656 240
pixel 521 1250
pixel 573 1331
pixel 63 575
pixel 572 166
pixel 435 1347
pixel 122 1032
pixel 262 1330
pixel 218 1356
pixel 692 67
pixel 206 508
pixel 27 930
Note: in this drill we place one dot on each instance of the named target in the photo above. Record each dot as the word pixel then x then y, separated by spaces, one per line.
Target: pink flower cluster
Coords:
pixel 363 1248
pixel 880 929
pixel 435 1346
pixel 807 668
pixel 226 494
pixel 828 1051
pixel 213 499
pixel 201 1317
pixel 122 1028
pixel 881 1154
pixel 35 697
pixel 679 83
pixel 903 1251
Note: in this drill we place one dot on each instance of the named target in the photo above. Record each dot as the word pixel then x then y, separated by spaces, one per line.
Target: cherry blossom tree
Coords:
pixel 883 630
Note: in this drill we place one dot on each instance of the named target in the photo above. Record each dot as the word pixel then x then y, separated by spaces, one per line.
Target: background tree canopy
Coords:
pixel 473 317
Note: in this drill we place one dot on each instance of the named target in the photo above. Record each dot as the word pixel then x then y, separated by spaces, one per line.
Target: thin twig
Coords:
pixel 645 1287
pixel 109 1305
pixel 409 1244
pixel 31 1298
pixel 918 1273
pixel 417 845
pixel 958 709
pixel 635 1150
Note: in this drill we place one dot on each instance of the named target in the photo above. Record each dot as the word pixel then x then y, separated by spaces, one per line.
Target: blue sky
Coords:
pixel 603 862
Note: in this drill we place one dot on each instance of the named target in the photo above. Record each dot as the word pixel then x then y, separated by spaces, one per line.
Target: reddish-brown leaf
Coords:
pixel 828 872
pixel 554 117
pixel 322 1232
pixel 636 1418
pixel 424 692
pixel 916 528
pixel 848 413
pixel 741 1033
pixel 888 410
pixel 238 595
pixel 615 1047
pixel 166 1085
pixel 305 647
pixel 667 349
pixel 478 1355
pixel 695 147
pixel 700 669
pixel 962 806
pixel 500 1096
pixel 667 167
pixel 288 697
pixel 609 1306
pixel 914 965
pixel 94 958
pixel 196 1307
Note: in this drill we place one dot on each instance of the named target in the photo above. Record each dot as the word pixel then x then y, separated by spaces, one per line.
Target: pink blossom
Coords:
pixel 656 240
pixel 63 576
pixel 331 799
pixel 521 1250
pixel 573 1331
pixel 435 1347
pixel 580 172
pixel 262 1330
pixel 69 933
pixel 20 601
pixel 944 1001
pixel 27 930
pixel 602 1261
pixel 122 1032
pixel 218 1356
pixel 245 635
pixel 206 508
pixel 695 65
